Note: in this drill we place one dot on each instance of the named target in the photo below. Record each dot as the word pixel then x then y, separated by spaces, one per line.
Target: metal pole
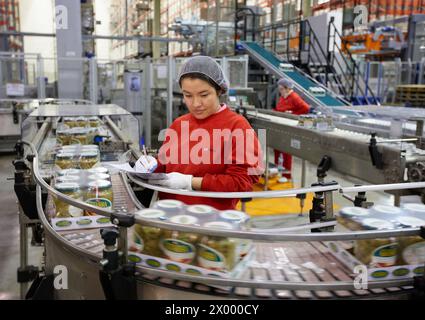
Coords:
pixel 170 69
pixel 23 242
pixel 93 80
pixel 266 173
pixel 147 111
pixel 303 178
pixel 41 84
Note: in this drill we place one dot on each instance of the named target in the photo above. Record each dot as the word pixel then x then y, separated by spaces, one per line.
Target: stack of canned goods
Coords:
pixel 77 156
pixel 210 252
pixel 92 186
pixel 387 252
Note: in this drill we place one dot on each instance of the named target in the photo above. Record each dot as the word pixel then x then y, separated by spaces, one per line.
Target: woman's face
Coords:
pixel 200 97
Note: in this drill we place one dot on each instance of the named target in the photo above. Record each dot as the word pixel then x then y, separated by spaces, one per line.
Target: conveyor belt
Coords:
pixel 271 62
pixel 287 261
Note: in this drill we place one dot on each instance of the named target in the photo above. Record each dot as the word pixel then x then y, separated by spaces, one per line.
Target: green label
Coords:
pixel 210 254
pixel 193 271
pixel 134 258
pixel 83 222
pixel 63 223
pixel 418 270
pixel 387 251
pixel 401 272
pixel 172 267
pixel 178 246
pixel 103 220
pixel 100 202
pixel 153 263
pixel 379 274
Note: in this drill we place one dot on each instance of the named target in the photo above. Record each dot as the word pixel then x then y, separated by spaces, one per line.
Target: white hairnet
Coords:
pixel 206 66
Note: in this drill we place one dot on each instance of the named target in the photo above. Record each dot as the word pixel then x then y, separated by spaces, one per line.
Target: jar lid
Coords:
pixel 67 186
pixel 65 172
pixel 169 204
pixel 100 184
pixel 152 213
pixel 98 170
pixel 234 216
pixel 89 154
pixel 386 209
pixel 67 178
pixel 411 222
pixel 99 176
pixel 69 119
pixel 416 207
pixel 89 147
pixel 218 225
pixel 354 211
pixel 64 155
pixel 63 131
pixel 81 119
pixel 200 209
pixel 184 219
pixel 377 224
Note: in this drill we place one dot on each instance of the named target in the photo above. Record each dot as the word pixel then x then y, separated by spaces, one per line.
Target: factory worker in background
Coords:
pixel 289 102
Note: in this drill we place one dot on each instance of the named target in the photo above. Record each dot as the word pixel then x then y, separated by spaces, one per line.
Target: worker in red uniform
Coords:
pixel 289 102
pixel 211 148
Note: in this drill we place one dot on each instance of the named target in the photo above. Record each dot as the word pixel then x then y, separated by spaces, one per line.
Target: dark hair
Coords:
pixel 200 76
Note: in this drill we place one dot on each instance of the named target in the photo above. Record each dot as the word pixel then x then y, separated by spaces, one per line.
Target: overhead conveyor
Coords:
pixel 303 83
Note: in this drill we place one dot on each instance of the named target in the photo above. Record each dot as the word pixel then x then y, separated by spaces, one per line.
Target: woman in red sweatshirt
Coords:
pixel 290 102
pixel 211 148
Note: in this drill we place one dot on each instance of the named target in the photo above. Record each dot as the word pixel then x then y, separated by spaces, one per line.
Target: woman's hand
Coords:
pixel 175 180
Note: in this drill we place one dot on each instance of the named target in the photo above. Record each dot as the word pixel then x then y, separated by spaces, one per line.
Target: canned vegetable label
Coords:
pixel 100 202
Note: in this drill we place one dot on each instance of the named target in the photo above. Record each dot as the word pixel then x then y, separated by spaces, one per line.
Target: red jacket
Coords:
pixel 218 175
pixel 293 102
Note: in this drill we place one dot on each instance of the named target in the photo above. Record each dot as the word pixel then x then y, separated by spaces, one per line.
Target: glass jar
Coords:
pixel 79 136
pixel 70 122
pixel 147 239
pixel 239 220
pixel 63 209
pixel 99 194
pixel 203 212
pixel 376 252
pixel 171 207
pixel 63 137
pixel 180 246
pixel 411 250
pixel 81 122
pixel 350 217
pixel 64 160
pixel 88 159
pixel 94 122
pixel 217 253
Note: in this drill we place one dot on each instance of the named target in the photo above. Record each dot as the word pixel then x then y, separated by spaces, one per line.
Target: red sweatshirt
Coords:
pixel 201 152
pixel 293 102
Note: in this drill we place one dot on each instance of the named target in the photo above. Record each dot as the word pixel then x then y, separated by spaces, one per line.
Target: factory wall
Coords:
pixel 31 11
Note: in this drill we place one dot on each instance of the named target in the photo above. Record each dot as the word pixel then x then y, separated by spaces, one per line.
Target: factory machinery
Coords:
pixel 292 262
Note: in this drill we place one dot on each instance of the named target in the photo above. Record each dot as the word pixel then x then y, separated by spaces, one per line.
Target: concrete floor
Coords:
pixel 9 236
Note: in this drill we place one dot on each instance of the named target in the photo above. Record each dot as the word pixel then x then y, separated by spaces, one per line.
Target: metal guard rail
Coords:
pixel 208 280
pixel 267 236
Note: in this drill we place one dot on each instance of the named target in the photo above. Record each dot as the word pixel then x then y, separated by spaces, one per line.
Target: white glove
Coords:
pixel 146 164
pixel 175 180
